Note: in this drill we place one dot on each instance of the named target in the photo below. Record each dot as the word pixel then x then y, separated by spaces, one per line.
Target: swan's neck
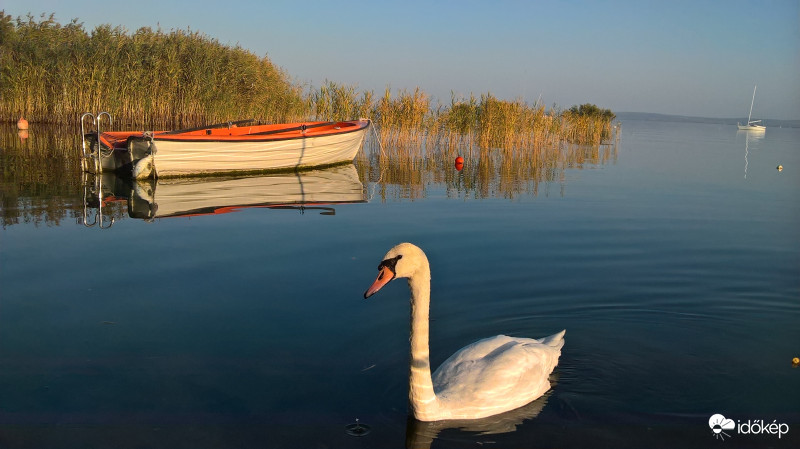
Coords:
pixel 422 398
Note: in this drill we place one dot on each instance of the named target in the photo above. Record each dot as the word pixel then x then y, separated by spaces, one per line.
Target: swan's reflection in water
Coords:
pixel 420 434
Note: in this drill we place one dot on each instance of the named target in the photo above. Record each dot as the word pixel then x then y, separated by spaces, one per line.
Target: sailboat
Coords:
pixel 752 125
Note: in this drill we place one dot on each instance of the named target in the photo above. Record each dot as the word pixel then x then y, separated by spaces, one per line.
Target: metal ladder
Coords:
pixel 90 151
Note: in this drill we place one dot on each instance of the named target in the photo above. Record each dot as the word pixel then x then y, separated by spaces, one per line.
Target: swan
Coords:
pixel 490 376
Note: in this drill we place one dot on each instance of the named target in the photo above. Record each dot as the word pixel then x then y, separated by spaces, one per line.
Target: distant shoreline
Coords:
pixel 647 116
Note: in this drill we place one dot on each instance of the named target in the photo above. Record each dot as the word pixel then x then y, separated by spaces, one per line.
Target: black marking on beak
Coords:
pixel 391 264
pixel 387 266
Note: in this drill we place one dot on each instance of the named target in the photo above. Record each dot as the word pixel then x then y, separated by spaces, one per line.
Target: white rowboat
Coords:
pixel 225 148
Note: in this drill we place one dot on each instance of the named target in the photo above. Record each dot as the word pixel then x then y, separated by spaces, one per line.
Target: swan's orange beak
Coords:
pixel 385 274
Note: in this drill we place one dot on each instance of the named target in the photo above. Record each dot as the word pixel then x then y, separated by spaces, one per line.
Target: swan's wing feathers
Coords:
pixel 496 371
pixel 479 349
pixel 556 340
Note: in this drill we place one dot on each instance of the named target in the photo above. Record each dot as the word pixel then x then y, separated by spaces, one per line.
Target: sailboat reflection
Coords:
pixel 748 138
pixel 180 197
pixel 420 434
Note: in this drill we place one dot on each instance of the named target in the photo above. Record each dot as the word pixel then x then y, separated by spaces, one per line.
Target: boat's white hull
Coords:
pixel 758 128
pixel 177 158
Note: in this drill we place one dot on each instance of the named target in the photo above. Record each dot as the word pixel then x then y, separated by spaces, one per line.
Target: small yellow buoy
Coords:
pixel 796 361
pixel 22 123
pixel 780 168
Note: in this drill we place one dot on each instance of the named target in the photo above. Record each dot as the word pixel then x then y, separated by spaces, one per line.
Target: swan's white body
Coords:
pixel 488 377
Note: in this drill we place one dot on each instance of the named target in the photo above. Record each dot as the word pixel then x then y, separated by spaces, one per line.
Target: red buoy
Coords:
pixel 459 163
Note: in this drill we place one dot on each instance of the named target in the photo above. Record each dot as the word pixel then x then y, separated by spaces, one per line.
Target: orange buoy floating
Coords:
pixel 22 123
pixel 459 163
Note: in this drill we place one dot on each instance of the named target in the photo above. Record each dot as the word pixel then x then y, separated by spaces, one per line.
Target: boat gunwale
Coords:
pixel 359 125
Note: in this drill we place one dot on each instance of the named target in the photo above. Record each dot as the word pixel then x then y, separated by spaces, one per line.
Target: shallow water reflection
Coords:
pixel 497 173
pixel 185 197
pixel 43 183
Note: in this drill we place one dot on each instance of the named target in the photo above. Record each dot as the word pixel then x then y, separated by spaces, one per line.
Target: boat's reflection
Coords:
pixel 420 435
pixel 180 197
pixel 749 137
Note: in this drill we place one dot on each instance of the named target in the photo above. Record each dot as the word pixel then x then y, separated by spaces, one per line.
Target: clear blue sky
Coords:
pixel 697 57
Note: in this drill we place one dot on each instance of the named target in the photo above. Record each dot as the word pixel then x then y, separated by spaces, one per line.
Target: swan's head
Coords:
pixel 402 261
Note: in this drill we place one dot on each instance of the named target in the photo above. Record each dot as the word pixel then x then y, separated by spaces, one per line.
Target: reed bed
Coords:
pixel 151 79
pixel 409 120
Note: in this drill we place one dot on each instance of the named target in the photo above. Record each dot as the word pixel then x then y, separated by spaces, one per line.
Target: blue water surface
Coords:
pixel 674 267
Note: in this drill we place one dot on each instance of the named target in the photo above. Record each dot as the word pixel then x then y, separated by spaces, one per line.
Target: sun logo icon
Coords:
pixel 719 424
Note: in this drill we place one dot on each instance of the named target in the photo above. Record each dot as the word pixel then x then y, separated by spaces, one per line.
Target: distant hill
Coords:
pixel 646 116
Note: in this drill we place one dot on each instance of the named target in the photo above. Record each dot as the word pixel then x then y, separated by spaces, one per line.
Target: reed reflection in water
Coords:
pixel 41 176
pixel 408 172
pixel 43 184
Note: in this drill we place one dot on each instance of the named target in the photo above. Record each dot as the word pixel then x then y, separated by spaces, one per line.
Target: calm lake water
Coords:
pixel 672 259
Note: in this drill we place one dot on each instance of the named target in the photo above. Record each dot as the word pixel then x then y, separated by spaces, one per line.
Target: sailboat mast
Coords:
pixel 751 104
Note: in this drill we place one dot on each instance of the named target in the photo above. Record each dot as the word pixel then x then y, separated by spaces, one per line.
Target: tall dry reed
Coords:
pixel 154 79
pixel 149 78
